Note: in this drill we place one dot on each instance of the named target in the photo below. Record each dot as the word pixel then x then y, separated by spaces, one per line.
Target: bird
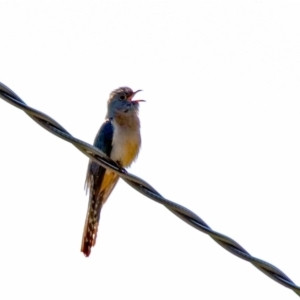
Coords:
pixel 120 139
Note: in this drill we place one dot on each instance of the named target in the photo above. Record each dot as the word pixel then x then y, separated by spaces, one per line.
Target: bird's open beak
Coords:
pixel 136 101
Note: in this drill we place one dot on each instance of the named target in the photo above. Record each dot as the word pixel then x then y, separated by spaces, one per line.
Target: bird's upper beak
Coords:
pixel 135 101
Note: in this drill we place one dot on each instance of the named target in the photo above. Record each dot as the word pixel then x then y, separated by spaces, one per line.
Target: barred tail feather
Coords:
pixel 91 225
pixel 100 184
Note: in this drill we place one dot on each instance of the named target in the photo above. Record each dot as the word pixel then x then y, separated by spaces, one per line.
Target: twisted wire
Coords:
pixel 146 189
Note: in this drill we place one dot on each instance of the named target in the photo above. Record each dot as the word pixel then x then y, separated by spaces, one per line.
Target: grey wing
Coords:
pixel 103 141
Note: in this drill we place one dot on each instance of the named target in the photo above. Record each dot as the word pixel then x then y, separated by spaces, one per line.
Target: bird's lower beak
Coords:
pixel 137 101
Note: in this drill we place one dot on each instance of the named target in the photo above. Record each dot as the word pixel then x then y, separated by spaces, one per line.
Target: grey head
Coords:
pixel 121 104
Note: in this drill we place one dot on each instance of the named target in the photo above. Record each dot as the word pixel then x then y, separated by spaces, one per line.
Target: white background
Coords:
pixel 220 135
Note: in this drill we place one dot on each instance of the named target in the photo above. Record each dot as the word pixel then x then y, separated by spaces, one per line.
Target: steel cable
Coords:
pixel 146 189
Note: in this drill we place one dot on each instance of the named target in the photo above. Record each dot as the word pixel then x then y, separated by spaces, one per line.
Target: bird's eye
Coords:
pixel 122 97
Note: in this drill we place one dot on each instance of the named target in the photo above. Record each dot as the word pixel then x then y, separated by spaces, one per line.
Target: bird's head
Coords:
pixel 121 102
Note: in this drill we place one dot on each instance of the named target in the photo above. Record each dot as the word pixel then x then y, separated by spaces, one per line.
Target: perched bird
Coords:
pixel 119 138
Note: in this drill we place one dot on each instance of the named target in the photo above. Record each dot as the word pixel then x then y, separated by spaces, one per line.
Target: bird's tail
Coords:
pixel 91 224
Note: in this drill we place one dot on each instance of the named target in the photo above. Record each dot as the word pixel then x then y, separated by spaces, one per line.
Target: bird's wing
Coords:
pixel 103 141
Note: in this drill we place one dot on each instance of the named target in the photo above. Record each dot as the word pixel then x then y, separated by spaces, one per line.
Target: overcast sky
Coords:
pixel 220 133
